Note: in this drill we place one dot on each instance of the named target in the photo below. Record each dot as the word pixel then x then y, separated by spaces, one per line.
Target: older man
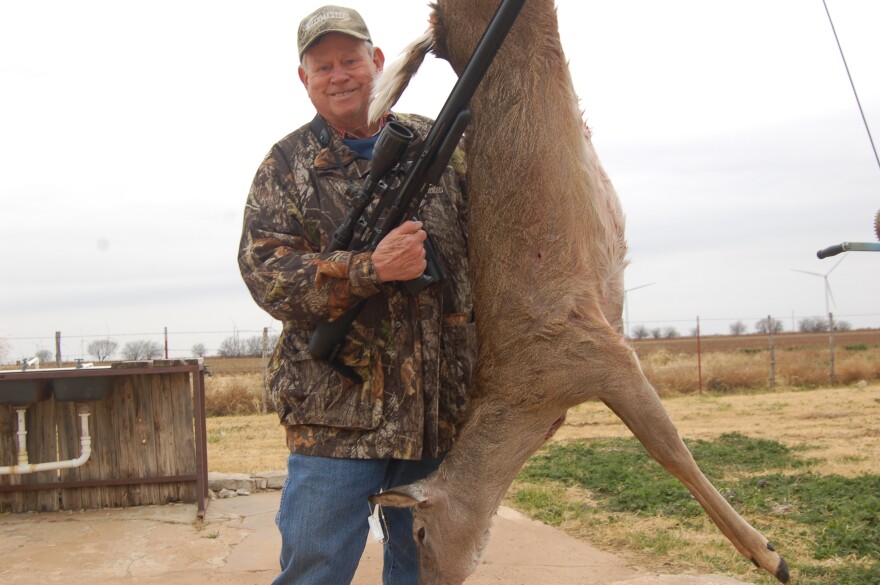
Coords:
pixel 415 355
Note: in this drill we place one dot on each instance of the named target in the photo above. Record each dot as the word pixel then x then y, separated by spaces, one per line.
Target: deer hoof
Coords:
pixel 782 572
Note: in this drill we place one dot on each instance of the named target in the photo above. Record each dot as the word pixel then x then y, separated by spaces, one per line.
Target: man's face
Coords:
pixel 337 72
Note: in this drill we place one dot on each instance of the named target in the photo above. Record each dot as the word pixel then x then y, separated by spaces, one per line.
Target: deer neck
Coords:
pixel 492 447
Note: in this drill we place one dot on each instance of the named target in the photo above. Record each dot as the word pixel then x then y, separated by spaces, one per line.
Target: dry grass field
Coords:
pixel 840 427
pixel 735 373
pixel 740 343
pixel 834 430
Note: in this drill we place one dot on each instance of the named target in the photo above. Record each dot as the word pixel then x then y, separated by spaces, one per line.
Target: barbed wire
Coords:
pixel 146 334
pixel 274 329
pixel 73 345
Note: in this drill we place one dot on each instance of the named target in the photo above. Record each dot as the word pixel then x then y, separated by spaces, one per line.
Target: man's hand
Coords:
pixel 401 253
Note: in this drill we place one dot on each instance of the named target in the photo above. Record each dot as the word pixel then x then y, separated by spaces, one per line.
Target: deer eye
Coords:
pixel 421 534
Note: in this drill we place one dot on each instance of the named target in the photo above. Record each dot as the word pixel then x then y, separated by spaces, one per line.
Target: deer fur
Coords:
pixel 547 254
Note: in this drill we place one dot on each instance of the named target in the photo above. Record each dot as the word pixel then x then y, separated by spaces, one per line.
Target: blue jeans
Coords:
pixel 323 515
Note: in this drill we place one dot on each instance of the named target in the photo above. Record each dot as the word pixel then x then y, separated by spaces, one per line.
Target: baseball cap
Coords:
pixel 329 19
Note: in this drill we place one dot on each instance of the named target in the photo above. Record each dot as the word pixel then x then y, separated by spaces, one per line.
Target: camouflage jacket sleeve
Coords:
pixel 280 252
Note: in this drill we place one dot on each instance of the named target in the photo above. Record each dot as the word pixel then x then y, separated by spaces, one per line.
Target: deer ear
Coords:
pixel 404 496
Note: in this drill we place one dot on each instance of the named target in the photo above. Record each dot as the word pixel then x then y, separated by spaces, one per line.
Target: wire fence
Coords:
pixel 172 343
pixel 165 342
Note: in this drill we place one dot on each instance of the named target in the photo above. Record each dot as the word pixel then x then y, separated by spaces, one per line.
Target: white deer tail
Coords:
pixel 389 85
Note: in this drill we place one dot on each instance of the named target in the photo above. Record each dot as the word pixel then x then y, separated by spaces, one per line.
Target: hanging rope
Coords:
pixel 839 48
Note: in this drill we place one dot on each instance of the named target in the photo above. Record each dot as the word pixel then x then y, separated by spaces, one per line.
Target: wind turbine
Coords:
pixel 828 293
pixel 626 305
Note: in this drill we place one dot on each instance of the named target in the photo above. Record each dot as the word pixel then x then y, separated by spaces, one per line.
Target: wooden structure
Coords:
pixel 148 436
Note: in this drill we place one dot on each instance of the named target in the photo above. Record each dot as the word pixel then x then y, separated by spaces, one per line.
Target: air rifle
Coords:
pixel 402 186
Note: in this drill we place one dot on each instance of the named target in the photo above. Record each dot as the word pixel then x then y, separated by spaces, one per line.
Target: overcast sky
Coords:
pixel 130 132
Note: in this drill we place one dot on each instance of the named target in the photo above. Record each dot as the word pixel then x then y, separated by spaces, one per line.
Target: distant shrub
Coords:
pixel 233 395
pixel 749 369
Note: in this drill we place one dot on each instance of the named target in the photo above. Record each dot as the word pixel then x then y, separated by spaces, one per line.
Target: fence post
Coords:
pixel 264 364
pixel 772 352
pixel 166 343
pixel 831 373
pixel 699 358
pixel 57 349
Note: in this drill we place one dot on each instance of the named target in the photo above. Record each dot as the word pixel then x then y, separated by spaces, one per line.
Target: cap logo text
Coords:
pixel 323 17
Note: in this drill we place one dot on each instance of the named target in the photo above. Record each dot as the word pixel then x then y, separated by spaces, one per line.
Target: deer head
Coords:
pixel 443 560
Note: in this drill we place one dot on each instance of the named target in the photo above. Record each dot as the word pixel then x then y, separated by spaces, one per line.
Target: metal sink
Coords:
pixel 23 392
pixel 81 389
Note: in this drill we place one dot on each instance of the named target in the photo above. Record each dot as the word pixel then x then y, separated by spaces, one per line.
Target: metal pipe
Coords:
pixel 28 362
pixel 25 467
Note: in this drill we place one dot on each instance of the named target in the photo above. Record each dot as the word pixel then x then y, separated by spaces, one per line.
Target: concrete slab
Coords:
pixel 238 543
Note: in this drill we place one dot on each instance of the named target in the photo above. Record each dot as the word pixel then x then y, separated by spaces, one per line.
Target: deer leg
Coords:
pixel 640 409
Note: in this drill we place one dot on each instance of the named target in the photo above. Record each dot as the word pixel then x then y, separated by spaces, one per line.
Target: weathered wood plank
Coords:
pixel 40 424
pixel 9 502
pixel 45 439
pixel 184 433
pixel 145 443
pixel 68 424
pixel 107 415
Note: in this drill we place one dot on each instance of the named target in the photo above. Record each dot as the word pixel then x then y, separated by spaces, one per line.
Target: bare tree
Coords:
pixel 737 328
pixel 232 346
pixel 254 346
pixel 640 332
pixel 813 325
pixel 671 333
pixel 101 349
pixel 142 349
pixel 769 325
pixel 44 354
pixel 198 350
pixel 820 325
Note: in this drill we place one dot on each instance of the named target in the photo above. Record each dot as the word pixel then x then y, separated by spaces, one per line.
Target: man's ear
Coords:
pixel 378 58
pixel 405 496
pixel 303 76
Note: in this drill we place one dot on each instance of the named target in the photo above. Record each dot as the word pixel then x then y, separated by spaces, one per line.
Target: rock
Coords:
pixel 782 509
pixel 225 493
pixel 231 481
pixel 274 479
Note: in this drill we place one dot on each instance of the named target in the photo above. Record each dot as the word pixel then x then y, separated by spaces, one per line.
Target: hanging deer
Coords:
pixel 547 255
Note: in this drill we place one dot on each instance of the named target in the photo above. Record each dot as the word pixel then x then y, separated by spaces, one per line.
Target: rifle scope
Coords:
pixel 390 147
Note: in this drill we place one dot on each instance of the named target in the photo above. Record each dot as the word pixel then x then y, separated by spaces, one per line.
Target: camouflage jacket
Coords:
pixel 416 355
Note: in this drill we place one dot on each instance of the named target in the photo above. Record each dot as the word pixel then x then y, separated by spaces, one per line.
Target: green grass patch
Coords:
pixel 838 517
pixel 546 504
pixel 626 479
pixel 843 512
pixel 853 574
